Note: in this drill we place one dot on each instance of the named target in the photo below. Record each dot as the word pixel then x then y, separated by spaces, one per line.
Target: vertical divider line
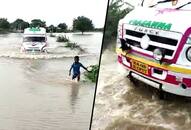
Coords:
pixel 99 66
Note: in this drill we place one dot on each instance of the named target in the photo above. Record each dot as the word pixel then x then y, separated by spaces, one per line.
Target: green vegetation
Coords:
pixel 98 29
pixel 4 25
pixel 68 43
pixel 62 27
pixel 52 35
pixel 82 24
pixel 92 75
pixel 73 45
pixel 37 23
pixel 51 29
pixel 19 25
pixel 62 39
pixel 115 13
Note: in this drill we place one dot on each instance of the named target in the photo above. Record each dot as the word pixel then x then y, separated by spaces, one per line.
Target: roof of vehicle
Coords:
pixel 178 19
pixel 35 31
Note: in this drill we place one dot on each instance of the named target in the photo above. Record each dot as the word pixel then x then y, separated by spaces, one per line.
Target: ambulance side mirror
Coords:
pixel 124 45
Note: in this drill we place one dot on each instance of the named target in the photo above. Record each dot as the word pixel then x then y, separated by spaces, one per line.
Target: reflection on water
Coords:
pixel 74 95
pixel 36 91
pixel 120 105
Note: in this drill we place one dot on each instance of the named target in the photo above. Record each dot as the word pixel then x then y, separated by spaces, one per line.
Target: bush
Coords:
pixel 3 31
pixel 62 39
pixel 73 45
pixel 68 43
pixel 52 35
pixel 92 75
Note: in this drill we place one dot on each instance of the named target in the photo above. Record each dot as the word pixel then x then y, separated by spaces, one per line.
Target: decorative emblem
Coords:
pixel 145 42
pixel 34 44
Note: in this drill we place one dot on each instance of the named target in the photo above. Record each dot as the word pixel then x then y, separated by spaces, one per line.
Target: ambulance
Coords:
pixel 34 39
pixel 154 45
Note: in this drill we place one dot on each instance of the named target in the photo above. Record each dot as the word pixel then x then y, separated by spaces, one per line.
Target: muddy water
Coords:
pixel 36 91
pixel 121 105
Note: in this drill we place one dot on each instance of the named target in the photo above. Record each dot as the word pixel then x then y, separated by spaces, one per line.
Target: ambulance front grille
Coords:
pixel 168 44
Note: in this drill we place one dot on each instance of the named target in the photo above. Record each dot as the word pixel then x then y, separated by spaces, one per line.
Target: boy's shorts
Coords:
pixel 75 75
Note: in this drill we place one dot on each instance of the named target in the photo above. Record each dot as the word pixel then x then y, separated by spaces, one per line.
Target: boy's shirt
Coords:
pixel 76 67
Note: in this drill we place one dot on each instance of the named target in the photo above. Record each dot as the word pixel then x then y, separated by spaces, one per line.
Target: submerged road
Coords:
pixel 36 91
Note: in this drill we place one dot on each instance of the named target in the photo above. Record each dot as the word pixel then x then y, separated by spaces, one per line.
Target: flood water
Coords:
pixel 36 91
pixel 121 105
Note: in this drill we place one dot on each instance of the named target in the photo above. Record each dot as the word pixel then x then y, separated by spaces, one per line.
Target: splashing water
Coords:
pixel 121 105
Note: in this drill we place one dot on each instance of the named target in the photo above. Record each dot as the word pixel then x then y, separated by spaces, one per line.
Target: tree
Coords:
pixel 19 24
pixel 38 23
pixel 62 27
pixel 4 24
pixel 115 13
pixel 51 29
pixel 82 24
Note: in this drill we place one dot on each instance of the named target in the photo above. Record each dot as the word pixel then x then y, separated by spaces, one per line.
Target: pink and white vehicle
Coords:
pixel 154 45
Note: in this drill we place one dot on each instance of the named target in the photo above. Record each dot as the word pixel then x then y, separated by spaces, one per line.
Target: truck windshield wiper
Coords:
pixel 183 5
pixel 160 2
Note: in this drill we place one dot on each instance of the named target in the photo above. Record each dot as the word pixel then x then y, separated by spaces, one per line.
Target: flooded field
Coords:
pixel 121 105
pixel 36 91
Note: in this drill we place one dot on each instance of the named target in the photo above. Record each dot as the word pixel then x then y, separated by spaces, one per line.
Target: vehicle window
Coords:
pixel 34 39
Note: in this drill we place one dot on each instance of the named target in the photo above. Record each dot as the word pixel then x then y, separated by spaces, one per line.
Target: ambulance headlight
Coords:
pixel 158 54
pixel 188 54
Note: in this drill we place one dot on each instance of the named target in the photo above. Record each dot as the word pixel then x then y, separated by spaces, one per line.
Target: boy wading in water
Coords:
pixel 76 68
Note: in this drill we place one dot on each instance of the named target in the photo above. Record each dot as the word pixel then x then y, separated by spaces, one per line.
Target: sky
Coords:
pixel 54 11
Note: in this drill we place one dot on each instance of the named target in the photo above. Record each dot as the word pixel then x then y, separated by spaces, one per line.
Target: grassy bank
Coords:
pixel 62 39
pixel 92 75
pixel 52 35
pixel 68 43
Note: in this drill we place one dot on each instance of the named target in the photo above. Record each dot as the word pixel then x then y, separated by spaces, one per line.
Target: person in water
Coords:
pixel 76 68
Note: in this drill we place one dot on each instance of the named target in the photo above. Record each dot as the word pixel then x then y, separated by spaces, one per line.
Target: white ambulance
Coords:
pixel 34 39
pixel 154 45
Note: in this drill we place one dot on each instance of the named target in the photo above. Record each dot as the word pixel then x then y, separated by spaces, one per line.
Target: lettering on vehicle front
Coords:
pixel 151 24
pixel 34 29
pixel 147 31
